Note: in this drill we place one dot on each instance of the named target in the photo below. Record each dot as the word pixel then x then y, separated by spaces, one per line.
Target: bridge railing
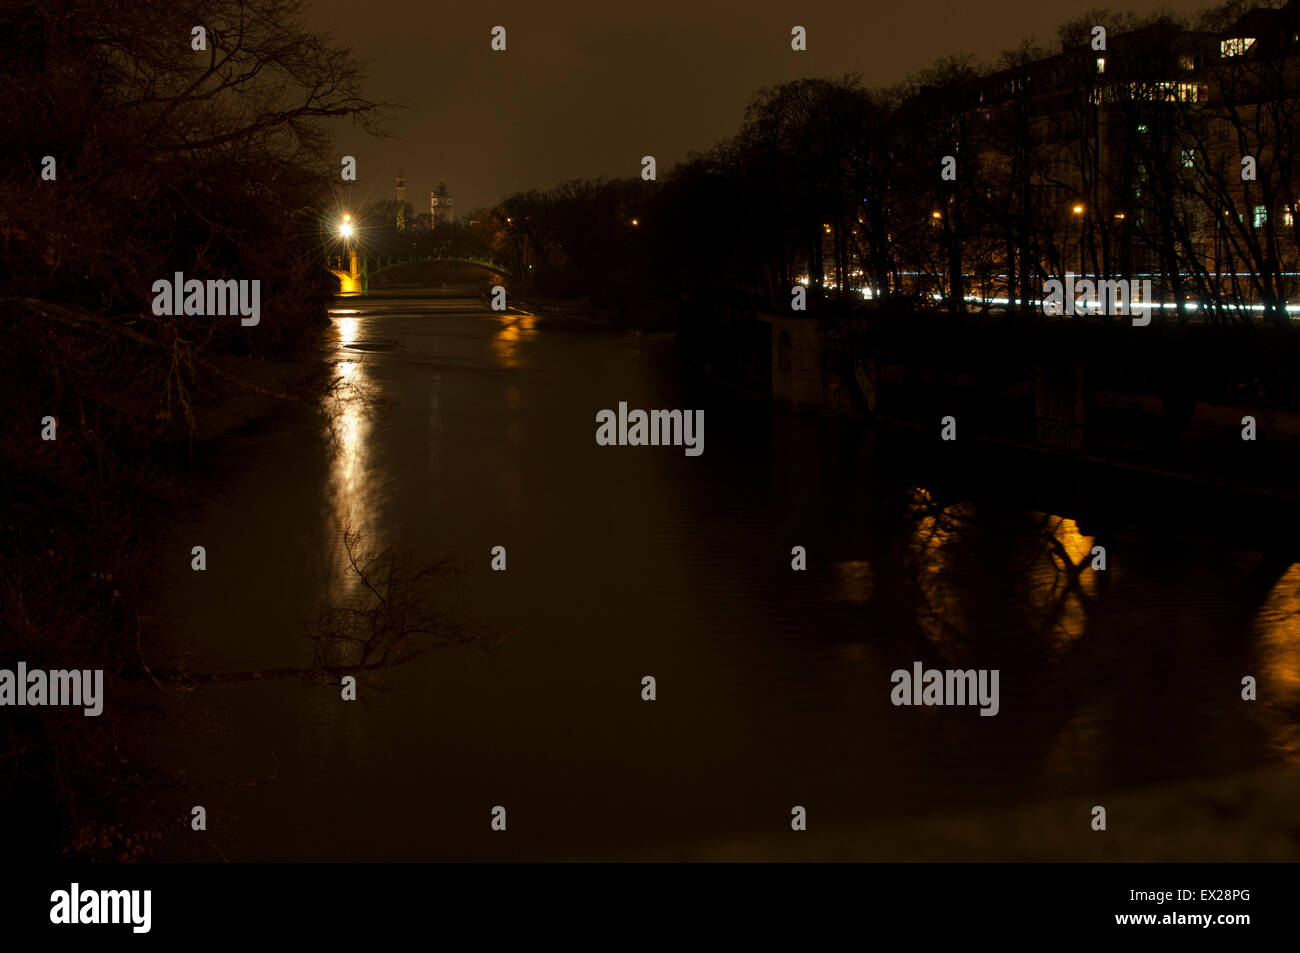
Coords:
pixel 387 261
pixel 367 265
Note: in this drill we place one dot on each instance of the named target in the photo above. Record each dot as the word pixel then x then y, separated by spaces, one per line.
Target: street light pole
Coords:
pixel 347 230
pixel 1081 212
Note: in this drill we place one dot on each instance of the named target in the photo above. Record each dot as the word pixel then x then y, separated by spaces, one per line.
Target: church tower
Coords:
pixel 401 201
pixel 440 206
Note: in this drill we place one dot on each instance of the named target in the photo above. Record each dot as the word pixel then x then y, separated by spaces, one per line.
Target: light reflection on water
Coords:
pixel 515 329
pixel 854 580
pixel 1061 584
pixel 935 543
pixel 348 426
pixel 1278 630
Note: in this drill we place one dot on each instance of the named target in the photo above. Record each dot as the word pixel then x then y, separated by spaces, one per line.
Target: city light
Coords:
pixel 345 228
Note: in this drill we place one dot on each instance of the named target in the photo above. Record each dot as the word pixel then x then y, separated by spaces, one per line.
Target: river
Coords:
pixel 463 429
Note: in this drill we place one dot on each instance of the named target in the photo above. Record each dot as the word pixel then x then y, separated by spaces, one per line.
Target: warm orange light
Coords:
pixel 1078 210
pixel 635 222
pixel 936 215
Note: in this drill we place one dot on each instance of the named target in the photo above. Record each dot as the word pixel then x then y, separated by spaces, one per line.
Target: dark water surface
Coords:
pixel 469 429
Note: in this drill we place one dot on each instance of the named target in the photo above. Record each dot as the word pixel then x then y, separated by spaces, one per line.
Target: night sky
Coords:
pixel 586 89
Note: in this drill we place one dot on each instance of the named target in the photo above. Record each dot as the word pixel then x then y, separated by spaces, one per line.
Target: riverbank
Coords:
pixel 1219 406
pixel 244 390
pixel 89 594
pixel 1237 818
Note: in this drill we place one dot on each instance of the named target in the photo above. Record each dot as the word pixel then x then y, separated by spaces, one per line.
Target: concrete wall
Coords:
pixel 803 377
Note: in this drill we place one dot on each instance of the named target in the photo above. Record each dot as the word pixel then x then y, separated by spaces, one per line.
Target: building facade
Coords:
pixel 1161 153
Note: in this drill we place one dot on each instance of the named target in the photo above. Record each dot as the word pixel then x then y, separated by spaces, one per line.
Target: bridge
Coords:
pixel 360 268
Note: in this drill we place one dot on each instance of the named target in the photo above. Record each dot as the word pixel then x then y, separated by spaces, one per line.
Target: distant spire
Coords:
pixel 440 203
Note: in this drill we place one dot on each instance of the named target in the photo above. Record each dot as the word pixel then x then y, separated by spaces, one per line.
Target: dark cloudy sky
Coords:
pixel 586 89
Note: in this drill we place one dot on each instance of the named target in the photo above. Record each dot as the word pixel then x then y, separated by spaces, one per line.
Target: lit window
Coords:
pixel 1166 91
pixel 1187 63
pixel 1189 158
pixel 1236 47
pixel 1288 219
pixel 1101 64
pixel 1142 129
pixel 1261 216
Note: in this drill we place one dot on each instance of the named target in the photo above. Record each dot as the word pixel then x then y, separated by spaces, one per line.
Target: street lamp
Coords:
pixel 1078 210
pixel 345 227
